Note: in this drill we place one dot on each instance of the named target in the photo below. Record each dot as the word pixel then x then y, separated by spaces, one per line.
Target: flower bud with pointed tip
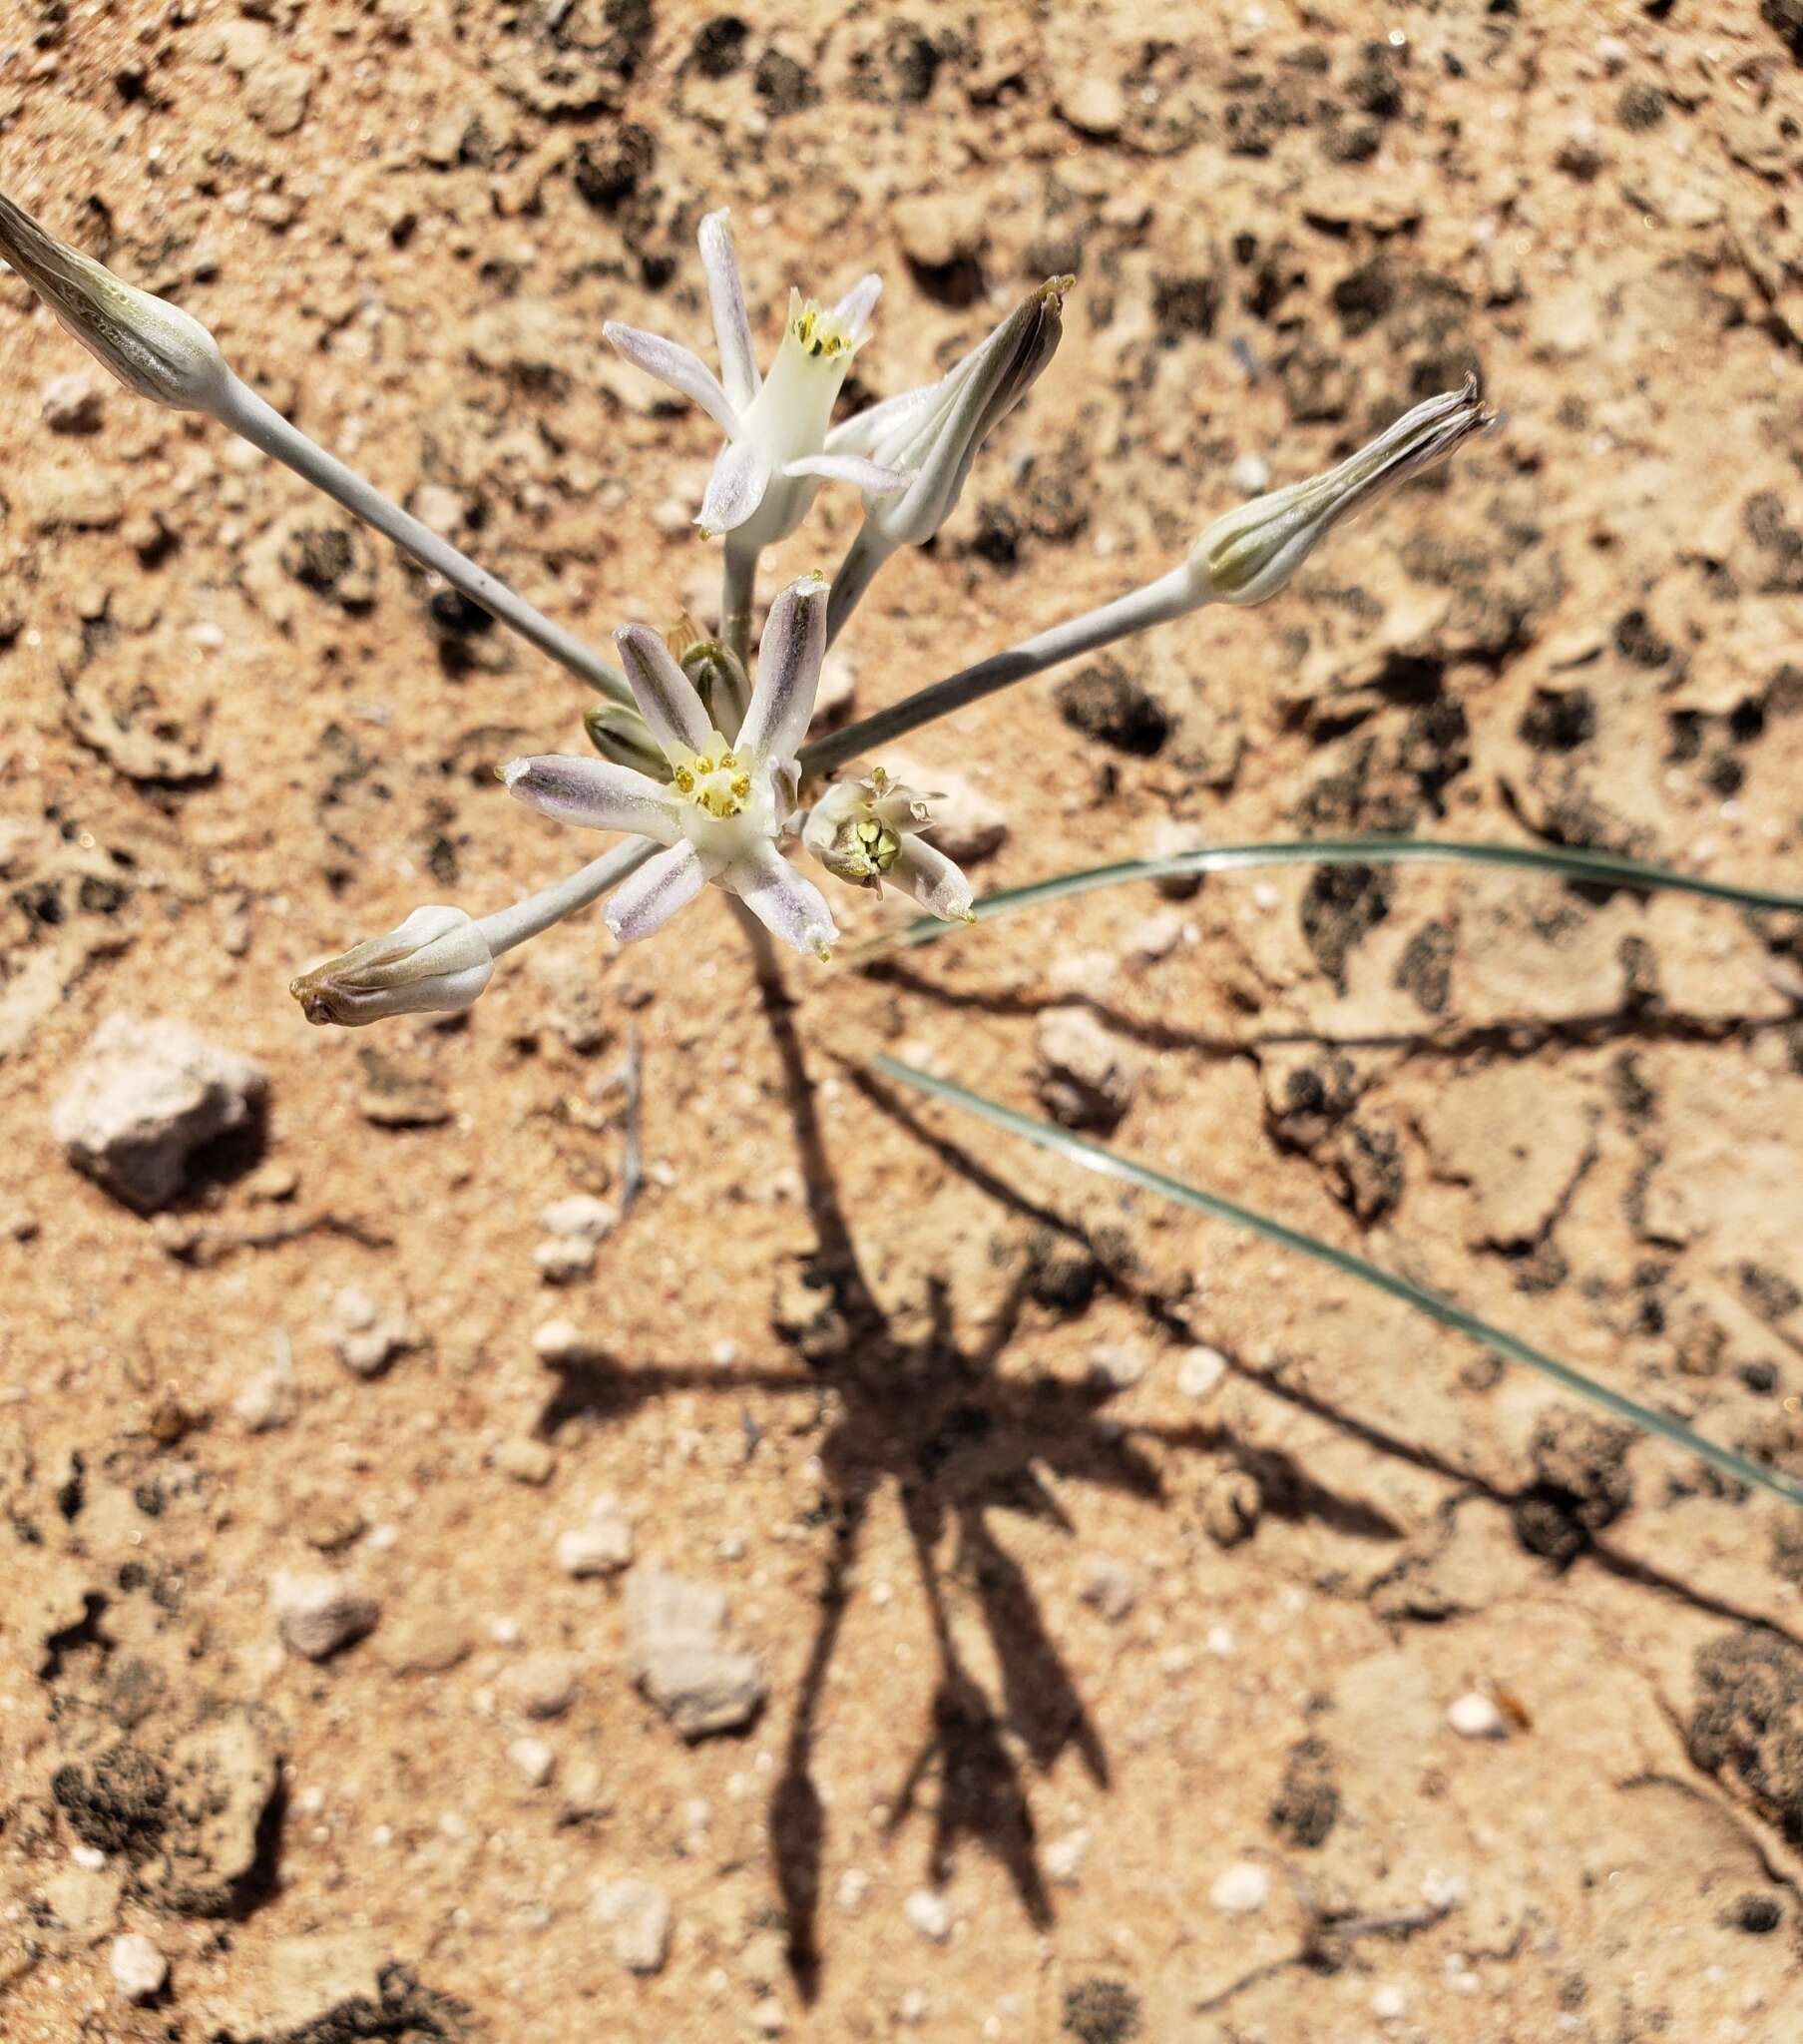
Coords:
pixel 720 680
pixel 1250 554
pixel 151 346
pixel 940 441
pixel 623 737
pixel 437 962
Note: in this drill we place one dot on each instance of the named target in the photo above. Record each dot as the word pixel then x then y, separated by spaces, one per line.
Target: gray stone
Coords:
pixel 639 1916
pixel 319 1615
pixel 1086 1077
pixel 144 1096
pixel 676 1654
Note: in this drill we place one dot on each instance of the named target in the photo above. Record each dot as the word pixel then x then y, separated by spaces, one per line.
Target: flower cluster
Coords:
pixel 702 766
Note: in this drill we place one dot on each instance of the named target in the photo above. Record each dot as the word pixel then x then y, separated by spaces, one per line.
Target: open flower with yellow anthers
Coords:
pixel 868 831
pixel 726 801
pixel 775 455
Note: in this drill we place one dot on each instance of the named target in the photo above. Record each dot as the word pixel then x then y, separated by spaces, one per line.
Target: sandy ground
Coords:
pixel 1105 1692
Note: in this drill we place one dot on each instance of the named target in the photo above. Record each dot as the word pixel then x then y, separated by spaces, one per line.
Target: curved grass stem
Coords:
pixel 1077 1150
pixel 1599 869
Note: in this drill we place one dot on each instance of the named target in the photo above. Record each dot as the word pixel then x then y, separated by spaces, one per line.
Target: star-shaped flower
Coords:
pixel 775 455
pixel 726 801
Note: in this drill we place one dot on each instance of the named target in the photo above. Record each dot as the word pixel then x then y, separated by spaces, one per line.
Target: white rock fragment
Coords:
pixel 73 402
pixel 1242 1888
pixel 319 1615
pixel 639 1916
pixel 1116 1362
pixel 1065 1857
pixel 1151 939
pixel 1086 1077
pixel 525 1461
pixel 579 1216
pixel 269 1398
pixel 1441 1890
pixel 1200 1371
pixel 561 1344
pixel 602 1547
pixel 541 1684
pixel 534 1761
pixel 584 1794
pixel 140 1971
pixel 1474 1716
pixel 1250 474
pixel 365 1336
pixel 144 1096
pixel 768 2018
pixel 930 1913
pixel 676 1654
pixel 1389 2003
pixel 1107 1587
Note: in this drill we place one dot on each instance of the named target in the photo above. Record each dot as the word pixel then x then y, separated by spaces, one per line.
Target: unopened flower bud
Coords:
pixel 1250 554
pixel 151 346
pixel 437 962
pixel 940 440
pixel 720 680
pixel 623 737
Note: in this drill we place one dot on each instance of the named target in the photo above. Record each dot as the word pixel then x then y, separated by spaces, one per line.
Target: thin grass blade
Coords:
pixel 1095 1157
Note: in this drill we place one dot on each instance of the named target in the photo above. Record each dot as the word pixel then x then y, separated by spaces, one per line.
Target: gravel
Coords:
pixel 1240 1889
pixel 140 1971
pixel 639 1917
pixel 930 1913
pixel 676 1654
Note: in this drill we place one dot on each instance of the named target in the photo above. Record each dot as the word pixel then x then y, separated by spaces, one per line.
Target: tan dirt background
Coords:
pixel 1051 1629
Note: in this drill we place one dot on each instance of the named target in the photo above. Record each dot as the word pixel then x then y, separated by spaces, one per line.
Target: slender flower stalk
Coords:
pixel 1242 558
pixel 440 960
pixel 164 353
pixel 935 432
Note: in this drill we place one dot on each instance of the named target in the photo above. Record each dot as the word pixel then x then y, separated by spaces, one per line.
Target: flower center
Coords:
pixel 716 782
pixel 819 333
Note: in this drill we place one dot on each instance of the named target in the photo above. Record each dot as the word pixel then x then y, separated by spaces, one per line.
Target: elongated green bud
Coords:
pixel 623 737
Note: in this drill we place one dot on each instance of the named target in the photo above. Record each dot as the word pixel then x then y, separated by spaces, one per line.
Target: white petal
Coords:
pixel 788 672
pixel 646 901
pixel 923 870
pixel 855 310
pixel 860 433
pixel 853 469
pixel 727 298
pixel 788 905
pixel 734 489
pixel 666 695
pixel 676 365
pixel 595 793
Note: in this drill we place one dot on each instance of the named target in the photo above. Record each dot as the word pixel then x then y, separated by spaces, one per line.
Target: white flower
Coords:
pixel 775 456
pixel 725 803
pixel 1250 554
pixel 868 830
pixel 438 962
pixel 151 346
pixel 935 432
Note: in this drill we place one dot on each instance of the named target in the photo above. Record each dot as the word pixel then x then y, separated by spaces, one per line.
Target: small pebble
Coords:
pixel 319 1615
pixel 525 1461
pixel 561 1343
pixel 1107 1587
pixel 542 1686
pixel 913 2006
pixel 1474 1716
pixel 1251 474
pixel 140 1971
pixel 768 2018
pixel 564 1260
pixel 930 1913
pixel 267 1399
pixel 1242 1888
pixel 585 1793
pixel 1200 1371
pixel 533 1759
pixel 580 1218
pixel 1115 1362
pixel 602 1549
pixel 639 1916
pixel 1065 1857
pixel 1389 2003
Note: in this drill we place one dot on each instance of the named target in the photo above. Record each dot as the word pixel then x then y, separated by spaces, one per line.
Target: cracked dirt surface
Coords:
pixel 1060 1620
